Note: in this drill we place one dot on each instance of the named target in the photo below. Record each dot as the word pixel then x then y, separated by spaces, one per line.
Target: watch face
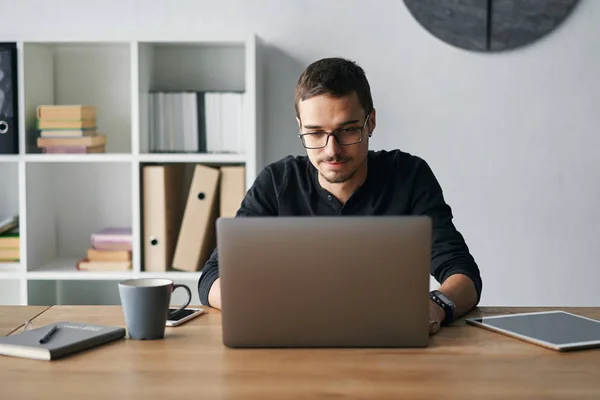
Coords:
pixel 443 297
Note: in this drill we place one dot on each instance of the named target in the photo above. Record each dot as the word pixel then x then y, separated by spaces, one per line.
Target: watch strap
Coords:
pixel 440 299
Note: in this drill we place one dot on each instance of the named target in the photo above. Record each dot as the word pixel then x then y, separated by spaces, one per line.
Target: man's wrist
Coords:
pixel 439 313
pixel 447 306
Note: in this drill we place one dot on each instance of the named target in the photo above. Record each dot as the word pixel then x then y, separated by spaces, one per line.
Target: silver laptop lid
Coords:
pixel 325 281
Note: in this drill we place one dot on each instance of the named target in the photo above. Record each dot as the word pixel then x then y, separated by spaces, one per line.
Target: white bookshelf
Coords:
pixel 62 198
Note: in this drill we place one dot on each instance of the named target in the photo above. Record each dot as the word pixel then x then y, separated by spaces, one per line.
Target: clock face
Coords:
pixel 490 25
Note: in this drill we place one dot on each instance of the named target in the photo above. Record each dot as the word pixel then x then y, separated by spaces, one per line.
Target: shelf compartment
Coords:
pixel 92 73
pixel 67 202
pixel 175 67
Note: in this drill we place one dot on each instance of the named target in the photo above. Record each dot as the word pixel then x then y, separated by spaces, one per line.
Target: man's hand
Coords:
pixel 214 295
pixel 436 316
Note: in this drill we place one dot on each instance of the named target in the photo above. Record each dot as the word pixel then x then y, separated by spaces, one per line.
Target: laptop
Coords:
pixel 356 281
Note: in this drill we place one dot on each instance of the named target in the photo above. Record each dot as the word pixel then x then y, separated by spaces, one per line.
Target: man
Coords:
pixel 340 176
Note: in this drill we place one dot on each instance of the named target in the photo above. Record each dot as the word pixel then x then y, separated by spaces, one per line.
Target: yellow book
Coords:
pixel 66 124
pixel 66 112
pixel 88 265
pixel 8 242
pixel 9 254
pixel 108 255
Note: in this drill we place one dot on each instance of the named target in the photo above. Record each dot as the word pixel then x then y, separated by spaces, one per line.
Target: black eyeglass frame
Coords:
pixel 335 135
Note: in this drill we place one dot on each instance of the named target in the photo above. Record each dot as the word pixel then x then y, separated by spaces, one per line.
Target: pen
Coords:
pixel 49 334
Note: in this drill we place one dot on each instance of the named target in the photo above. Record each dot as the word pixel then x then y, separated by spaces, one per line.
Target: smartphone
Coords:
pixel 185 315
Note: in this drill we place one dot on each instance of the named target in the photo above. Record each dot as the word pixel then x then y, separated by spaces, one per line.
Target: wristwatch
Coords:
pixel 447 305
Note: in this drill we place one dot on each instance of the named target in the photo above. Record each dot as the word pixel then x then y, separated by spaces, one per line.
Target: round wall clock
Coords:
pixel 490 25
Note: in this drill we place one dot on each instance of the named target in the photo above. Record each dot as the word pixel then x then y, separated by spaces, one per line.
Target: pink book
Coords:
pixel 112 238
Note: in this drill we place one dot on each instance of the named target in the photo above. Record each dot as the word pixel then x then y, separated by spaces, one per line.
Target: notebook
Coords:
pixel 69 338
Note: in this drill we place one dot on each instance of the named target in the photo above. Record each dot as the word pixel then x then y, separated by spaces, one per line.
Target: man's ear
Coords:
pixel 372 122
pixel 299 123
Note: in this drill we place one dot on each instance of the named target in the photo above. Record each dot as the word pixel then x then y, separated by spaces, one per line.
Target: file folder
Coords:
pixel 9 121
pixel 232 190
pixel 162 213
pixel 197 236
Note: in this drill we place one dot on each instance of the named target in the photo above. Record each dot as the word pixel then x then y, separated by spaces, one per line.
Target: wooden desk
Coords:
pixel 462 361
pixel 14 317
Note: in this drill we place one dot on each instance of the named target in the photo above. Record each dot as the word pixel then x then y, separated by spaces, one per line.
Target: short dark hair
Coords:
pixel 336 77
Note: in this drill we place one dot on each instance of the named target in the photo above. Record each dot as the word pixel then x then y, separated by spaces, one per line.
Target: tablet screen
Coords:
pixel 556 327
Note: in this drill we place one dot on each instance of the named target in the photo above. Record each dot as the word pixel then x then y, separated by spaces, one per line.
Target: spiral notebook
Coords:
pixel 67 338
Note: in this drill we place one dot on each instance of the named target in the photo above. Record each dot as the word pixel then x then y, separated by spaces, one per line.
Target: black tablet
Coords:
pixel 557 330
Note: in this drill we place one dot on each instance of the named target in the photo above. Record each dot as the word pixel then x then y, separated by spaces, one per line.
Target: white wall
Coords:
pixel 512 137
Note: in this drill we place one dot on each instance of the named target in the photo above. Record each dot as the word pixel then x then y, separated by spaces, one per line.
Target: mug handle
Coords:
pixel 187 303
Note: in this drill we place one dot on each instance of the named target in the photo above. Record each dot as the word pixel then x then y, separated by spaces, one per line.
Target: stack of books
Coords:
pixel 110 250
pixel 10 244
pixel 69 129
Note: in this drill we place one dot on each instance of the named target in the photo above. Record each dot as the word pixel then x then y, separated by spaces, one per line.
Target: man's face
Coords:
pixel 336 163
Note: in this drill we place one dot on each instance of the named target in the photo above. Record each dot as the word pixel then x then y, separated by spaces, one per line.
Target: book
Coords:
pixel 108 255
pixel 69 338
pixel 67 132
pixel 90 141
pixel 62 112
pixel 79 149
pixel 12 254
pixel 88 265
pixel 112 238
pixel 10 239
pixel 66 124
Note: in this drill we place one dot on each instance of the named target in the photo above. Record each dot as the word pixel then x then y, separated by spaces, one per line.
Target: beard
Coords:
pixel 337 176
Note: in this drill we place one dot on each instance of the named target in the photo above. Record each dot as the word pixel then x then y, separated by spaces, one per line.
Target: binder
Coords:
pixel 9 127
pixel 232 190
pixel 162 204
pixel 197 237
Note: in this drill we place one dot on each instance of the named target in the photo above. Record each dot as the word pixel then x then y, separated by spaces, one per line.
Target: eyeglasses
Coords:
pixel 345 137
pixel 27 326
